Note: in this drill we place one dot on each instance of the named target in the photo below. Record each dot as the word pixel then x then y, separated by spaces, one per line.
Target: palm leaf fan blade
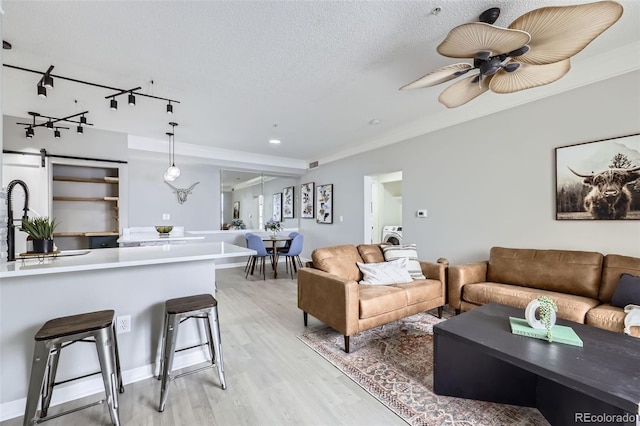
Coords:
pixel 528 76
pixel 439 76
pixel 463 91
pixel 465 41
pixel 558 33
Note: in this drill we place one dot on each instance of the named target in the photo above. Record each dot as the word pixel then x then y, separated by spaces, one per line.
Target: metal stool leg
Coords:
pixel 171 335
pixel 38 368
pixel 104 346
pixel 213 317
pixel 50 377
pixel 163 343
pixel 117 357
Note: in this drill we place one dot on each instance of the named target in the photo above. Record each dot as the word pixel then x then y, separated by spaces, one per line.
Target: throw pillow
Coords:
pixel 405 251
pixel 385 273
pixel 627 292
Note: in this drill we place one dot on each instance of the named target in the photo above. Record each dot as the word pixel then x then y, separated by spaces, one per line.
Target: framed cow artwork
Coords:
pixel 599 180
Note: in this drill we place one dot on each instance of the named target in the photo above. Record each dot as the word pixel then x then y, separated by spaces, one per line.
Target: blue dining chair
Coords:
pixel 254 242
pixel 246 237
pixel 287 244
pixel 293 254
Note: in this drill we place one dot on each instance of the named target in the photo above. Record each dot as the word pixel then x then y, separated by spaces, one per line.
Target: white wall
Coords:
pixel 489 182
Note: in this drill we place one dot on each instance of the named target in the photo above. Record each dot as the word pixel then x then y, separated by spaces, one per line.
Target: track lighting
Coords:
pixel 169 108
pixel 83 120
pixel 30 132
pixel 56 133
pixel 47 81
pixel 132 99
pixel 51 123
pixel 42 91
pixel 80 129
pixel 114 104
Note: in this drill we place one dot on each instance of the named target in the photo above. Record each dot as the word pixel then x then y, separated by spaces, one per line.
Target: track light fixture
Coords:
pixel 172 171
pixel 132 99
pixel 46 82
pixel 51 121
pixel 169 108
pixel 113 104
pixel 42 91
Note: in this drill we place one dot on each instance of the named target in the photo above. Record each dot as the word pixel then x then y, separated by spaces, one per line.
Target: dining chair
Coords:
pixel 246 237
pixel 254 242
pixel 287 244
pixel 293 254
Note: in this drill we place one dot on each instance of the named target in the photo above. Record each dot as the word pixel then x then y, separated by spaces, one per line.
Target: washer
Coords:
pixel 392 235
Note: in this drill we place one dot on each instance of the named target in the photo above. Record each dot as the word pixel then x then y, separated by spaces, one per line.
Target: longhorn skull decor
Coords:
pixel 182 193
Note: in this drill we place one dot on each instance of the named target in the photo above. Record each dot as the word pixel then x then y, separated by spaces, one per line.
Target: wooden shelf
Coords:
pixel 85 198
pixel 106 179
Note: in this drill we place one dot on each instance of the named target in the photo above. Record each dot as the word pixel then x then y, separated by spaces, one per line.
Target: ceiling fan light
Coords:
pixel 132 99
pixel 113 104
pixel 42 91
pixel 47 81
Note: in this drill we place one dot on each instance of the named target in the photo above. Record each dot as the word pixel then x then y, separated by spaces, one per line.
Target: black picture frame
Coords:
pixel 288 202
pixel 324 207
pixel 307 200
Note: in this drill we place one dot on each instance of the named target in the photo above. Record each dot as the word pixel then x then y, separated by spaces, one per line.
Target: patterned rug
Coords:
pixel 394 363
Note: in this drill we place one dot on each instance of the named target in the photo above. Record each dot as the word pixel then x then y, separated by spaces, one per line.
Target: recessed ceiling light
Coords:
pixel 375 122
pixel 274 141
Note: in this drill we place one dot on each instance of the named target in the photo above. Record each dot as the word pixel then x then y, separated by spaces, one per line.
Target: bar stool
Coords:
pixel 55 335
pixel 202 306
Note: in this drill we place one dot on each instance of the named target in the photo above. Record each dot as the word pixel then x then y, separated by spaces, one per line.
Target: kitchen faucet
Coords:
pixel 11 228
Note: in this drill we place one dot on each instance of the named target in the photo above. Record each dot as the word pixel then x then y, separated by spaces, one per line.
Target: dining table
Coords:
pixel 272 242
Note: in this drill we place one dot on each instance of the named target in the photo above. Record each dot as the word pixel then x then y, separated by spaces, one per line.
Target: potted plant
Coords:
pixel 40 229
pixel 238 224
pixel 272 226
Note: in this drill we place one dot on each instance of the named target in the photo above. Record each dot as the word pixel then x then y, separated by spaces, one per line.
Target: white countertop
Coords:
pixel 149 234
pixel 108 258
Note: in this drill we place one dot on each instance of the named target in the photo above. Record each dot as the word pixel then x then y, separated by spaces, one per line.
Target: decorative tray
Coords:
pixel 40 256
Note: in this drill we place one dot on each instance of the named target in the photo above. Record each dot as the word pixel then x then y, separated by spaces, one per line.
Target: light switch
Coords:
pixel 166 216
pixel 341 219
pixel 421 213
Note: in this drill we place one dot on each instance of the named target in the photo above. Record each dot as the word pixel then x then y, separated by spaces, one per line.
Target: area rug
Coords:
pixel 394 363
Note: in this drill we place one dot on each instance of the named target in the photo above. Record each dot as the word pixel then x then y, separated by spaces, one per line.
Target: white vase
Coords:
pixel 530 315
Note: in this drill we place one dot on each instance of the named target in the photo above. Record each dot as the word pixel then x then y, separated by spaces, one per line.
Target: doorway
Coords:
pixel 382 206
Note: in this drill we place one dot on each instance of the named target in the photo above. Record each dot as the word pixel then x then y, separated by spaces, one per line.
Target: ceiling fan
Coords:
pixel 533 51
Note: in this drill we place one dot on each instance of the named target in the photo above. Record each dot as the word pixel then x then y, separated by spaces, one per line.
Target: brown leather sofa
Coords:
pixel 581 283
pixel 328 289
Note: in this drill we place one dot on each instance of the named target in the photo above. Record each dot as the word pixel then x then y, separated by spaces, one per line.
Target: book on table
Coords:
pixel 559 333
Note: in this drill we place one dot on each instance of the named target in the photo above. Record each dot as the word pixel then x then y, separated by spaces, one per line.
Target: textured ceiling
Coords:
pixel 320 70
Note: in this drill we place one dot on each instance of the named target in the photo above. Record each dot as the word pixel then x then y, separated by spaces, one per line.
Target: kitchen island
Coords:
pixel 132 281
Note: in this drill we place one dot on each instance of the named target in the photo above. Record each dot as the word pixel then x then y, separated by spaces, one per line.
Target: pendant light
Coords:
pixel 172 172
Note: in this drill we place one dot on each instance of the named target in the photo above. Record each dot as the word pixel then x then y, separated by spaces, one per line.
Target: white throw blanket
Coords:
pixel 632 318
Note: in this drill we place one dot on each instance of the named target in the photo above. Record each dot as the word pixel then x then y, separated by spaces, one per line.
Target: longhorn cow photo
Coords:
pixel 599 180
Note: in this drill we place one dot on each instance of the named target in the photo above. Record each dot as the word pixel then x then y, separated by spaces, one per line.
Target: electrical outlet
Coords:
pixel 123 324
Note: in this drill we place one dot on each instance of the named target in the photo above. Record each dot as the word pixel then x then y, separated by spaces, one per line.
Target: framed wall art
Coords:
pixel 277 207
pixel 236 209
pixel 287 202
pixel 307 195
pixel 324 197
pixel 599 180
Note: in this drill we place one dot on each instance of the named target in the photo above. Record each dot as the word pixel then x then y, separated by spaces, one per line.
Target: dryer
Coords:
pixel 392 235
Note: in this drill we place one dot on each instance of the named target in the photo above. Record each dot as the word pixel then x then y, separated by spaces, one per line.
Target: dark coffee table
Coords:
pixel 477 357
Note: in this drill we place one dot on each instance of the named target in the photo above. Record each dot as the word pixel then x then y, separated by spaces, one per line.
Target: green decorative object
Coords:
pixel 548 308
pixel 40 229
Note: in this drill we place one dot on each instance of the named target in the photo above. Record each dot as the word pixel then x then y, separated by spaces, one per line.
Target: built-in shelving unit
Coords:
pixel 86 203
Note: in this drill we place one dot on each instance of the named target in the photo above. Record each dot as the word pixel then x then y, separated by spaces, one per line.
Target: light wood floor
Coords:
pixel 272 377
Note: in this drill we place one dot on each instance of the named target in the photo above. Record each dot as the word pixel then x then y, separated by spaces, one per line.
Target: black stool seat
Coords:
pixel 190 303
pixel 73 324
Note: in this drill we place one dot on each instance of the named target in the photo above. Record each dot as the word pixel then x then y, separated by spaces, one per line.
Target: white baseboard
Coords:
pixel 94 385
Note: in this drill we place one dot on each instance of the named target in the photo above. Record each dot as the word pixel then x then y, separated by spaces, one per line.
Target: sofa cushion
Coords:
pixel 563 271
pixel 371 253
pixel 338 260
pixel 420 291
pixel 609 318
pixel 380 299
pixel 408 251
pixel 614 266
pixel 570 307
pixel 385 273
pixel 627 292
